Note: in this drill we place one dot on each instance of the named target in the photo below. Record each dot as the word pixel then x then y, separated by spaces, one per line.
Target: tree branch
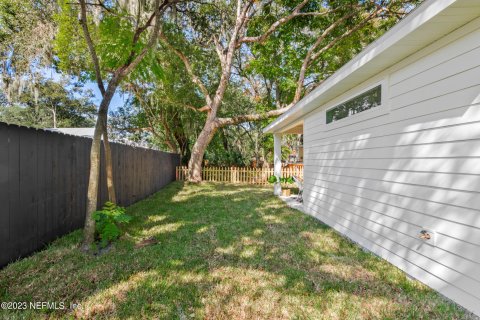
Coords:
pixel 296 12
pixel 139 30
pixel 222 122
pixel 308 57
pixel 202 109
pixel 347 33
pixel 311 56
pixel 228 57
pixel 132 63
pixel 189 68
pixel 91 47
pixel 150 114
pixel 219 49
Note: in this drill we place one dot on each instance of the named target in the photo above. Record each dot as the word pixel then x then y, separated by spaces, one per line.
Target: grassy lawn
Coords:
pixel 223 252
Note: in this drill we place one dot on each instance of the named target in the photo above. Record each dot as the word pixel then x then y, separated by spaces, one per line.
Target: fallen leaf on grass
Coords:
pixel 146 242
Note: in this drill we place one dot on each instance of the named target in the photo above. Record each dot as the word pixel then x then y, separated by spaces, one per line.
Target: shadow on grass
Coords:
pixel 223 251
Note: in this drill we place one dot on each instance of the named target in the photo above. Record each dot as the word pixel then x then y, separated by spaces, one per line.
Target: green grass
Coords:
pixel 224 252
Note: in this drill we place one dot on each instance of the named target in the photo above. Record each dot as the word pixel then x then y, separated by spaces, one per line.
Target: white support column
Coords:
pixel 277 162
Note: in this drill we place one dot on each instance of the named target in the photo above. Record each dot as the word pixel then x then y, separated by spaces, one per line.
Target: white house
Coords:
pixel 392 148
pixel 81 132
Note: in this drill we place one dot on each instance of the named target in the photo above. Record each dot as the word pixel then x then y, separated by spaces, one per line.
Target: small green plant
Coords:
pixel 108 221
pixel 288 180
pixel 274 179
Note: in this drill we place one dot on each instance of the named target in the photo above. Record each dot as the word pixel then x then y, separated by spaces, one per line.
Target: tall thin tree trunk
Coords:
pixel 54 112
pixel 92 193
pixel 109 165
pixel 94 175
pixel 107 95
pixel 198 151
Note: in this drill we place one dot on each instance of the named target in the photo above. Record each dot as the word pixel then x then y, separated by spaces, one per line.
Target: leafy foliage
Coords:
pixel 26 33
pixel 49 104
pixel 112 30
pixel 278 61
pixel 272 179
pixel 164 107
pixel 70 47
pixel 275 179
pixel 108 221
pixel 265 75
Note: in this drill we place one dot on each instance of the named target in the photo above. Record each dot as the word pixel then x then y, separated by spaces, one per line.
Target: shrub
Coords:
pixel 108 221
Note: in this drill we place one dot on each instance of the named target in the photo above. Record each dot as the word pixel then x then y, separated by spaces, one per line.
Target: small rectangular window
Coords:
pixel 367 100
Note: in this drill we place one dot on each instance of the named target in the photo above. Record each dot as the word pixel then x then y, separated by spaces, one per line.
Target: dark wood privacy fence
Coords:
pixel 43 184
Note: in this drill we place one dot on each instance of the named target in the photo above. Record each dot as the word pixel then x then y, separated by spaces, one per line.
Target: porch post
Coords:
pixel 277 162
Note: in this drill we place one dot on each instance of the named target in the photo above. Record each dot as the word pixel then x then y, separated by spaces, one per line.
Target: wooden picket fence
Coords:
pixel 240 175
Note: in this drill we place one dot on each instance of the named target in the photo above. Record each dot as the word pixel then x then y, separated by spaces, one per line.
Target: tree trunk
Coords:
pixel 92 193
pixel 109 165
pixel 181 139
pixel 198 151
pixel 54 112
pixel 182 142
pixel 94 175
pixel 226 146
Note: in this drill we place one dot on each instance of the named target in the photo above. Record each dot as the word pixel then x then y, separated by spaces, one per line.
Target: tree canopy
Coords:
pixel 27 30
pixel 234 65
pixel 221 66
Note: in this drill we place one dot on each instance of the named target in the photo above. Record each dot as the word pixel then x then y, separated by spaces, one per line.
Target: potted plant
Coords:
pixel 287 180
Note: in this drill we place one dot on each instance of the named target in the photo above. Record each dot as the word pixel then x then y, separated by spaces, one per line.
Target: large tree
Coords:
pixel 164 106
pixel 116 41
pixel 305 32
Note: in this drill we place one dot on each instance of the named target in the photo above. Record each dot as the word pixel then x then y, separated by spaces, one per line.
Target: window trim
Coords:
pixel 351 106
pixel 364 115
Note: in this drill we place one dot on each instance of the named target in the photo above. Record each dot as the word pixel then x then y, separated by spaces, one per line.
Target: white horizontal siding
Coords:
pixel 453 232
pixel 446 263
pixel 437 88
pixel 413 264
pixel 450 133
pixel 383 176
pixel 447 109
pixel 458 231
pixel 460 165
pixel 449 181
pixel 436 58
